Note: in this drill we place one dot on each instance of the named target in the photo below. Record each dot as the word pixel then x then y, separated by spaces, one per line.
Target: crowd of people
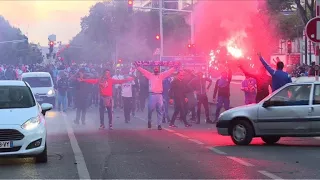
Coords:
pixel 85 86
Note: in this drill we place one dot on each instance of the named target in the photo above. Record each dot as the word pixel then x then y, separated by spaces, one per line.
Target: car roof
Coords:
pixel 12 83
pixel 305 79
pixel 36 74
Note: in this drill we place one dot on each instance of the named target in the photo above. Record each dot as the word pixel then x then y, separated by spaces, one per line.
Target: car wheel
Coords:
pixel 242 133
pixel 42 157
pixel 270 139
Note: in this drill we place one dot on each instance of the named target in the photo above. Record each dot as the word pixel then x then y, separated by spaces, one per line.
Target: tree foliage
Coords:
pixel 110 31
pixel 19 52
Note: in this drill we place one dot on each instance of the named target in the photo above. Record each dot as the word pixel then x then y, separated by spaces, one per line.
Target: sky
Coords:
pixel 40 18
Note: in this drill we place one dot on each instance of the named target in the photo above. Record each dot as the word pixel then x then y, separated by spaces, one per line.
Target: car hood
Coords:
pixel 41 90
pixel 247 111
pixel 17 116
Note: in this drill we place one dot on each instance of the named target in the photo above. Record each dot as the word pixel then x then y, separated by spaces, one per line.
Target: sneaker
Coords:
pixel 110 127
pixel 126 121
pixel 149 124
pixel 188 125
pixel 102 127
pixel 209 121
pixel 159 127
pixel 173 126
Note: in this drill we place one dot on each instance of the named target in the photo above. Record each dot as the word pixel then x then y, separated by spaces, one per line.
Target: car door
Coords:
pixel 288 111
pixel 315 110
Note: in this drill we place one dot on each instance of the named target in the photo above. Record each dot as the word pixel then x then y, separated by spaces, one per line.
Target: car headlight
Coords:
pixel 31 123
pixel 50 93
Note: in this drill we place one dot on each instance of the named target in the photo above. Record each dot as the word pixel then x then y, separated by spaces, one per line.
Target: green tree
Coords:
pixel 109 30
pixel 18 52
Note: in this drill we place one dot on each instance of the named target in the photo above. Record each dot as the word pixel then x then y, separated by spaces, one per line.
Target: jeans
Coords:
pixel 166 107
pixel 81 112
pixel 203 100
pixel 222 101
pixel 180 106
pixel 250 99
pixel 155 103
pixel 62 101
pixel 127 107
pixel 102 109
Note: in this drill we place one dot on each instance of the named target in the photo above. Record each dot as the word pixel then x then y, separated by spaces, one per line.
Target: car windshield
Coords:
pixel 16 97
pixel 38 81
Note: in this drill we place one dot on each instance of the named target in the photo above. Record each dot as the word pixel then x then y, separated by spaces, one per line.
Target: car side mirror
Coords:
pixel 267 104
pixel 46 107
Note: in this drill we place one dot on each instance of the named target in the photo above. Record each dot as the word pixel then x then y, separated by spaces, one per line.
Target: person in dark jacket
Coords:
pixel 222 89
pixel 80 100
pixel 178 95
pixel 200 83
pixel 166 87
pixel 279 77
pixel 62 87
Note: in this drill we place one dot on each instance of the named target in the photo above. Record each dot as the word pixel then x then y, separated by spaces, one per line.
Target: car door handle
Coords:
pixel 311 109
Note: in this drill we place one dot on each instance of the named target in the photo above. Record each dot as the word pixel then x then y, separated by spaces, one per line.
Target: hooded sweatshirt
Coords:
pixel 279 77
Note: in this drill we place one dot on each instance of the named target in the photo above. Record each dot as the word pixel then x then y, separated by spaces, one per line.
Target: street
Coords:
pixel 131 151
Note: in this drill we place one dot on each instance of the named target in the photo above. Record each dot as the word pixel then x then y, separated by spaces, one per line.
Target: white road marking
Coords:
pixel 317 138
pixel 217 150
pixel 81 164
pixel 240 161
pixel 270 175
pixel 169 130
pixel 196 141
pixel 181 135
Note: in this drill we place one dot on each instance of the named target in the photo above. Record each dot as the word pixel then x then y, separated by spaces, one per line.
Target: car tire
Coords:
pixel 242 132
pixel 270 139
pixel 42 157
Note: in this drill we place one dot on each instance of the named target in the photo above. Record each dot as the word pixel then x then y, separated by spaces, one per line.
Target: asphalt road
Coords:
pixel 131 151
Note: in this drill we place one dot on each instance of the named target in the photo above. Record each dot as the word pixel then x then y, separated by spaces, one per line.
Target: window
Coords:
pixel 16 97
pixel 316 94
pixel 38 81
pixel 295 95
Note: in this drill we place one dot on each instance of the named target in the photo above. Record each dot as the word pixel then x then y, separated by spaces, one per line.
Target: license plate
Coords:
pixel 39 99
pixel 5 144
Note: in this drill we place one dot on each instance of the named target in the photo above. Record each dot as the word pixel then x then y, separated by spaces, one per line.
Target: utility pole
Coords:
pixel 161 27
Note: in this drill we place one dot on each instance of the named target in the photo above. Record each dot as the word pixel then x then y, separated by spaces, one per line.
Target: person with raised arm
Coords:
pixel 106 83
pixel 155 91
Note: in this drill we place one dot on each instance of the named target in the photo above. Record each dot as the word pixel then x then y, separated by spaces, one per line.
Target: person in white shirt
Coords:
pixel 117 91
pixel 127 97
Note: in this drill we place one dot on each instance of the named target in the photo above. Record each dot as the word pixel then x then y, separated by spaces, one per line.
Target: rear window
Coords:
pixel 16 97
pixel 38 81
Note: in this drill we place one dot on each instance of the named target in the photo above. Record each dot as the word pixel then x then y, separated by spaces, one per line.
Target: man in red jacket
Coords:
pixel 105 88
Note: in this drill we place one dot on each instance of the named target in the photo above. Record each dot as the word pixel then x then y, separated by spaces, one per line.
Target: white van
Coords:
pixel 42 86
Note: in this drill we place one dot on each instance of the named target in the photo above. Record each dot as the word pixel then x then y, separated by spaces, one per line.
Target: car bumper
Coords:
pixel 223 127
pixel 20 147
pixel 46 99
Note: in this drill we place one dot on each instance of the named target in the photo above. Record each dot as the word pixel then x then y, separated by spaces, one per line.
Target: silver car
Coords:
pixel 291 111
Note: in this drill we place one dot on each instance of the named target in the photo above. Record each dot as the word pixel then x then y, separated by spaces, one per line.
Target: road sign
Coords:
pixel 313 30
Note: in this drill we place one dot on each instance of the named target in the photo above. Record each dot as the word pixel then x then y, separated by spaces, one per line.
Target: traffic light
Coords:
pixel 192 49
pixel 130 6
pixel 51 44
pixel 289 46
pixel 157 37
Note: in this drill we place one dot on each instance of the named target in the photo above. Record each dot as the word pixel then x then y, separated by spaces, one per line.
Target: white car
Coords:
pixel 22 124
pixel 291 111
pixel 42 86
